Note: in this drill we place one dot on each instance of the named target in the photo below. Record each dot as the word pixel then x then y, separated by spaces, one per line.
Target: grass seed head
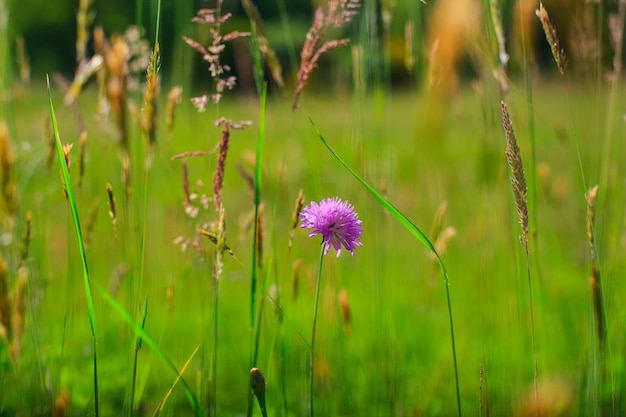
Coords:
pixel 552 38
pixel 518 180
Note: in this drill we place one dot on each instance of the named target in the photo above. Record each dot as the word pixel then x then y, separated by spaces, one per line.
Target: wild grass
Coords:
pixel 171 341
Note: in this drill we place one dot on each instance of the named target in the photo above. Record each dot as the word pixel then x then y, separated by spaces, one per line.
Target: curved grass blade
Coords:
pixel 415 231
pixel 142 321
pixel 79 236
pixel 178 378
pixel 145 337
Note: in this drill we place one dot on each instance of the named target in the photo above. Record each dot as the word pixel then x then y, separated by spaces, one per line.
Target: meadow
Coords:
pixel 175 317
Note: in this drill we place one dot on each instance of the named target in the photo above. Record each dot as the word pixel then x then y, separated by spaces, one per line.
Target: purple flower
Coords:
pixel 336 221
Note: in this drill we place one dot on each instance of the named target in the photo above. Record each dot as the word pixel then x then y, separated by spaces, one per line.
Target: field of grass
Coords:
pixel 383 341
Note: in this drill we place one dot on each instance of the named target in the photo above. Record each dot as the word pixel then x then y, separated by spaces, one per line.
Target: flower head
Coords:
pixel 336 221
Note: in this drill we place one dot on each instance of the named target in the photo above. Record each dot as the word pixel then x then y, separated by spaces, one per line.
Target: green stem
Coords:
pixel 317 299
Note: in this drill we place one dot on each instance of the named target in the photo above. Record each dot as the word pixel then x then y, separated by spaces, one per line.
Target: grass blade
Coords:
pixel 178 378
pixel 415 231
pixel 142 321
pixel 145 337
pixel 79 236
pixel 257 203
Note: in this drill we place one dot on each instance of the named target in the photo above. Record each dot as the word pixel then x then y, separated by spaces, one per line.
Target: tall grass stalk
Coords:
pixel 613 94
pixel 138 342
pixel 417 233
pixel 255 328
pixel 559 58
pixel 531 134
pixel 520 190
pixel 313 328
pixel 63 161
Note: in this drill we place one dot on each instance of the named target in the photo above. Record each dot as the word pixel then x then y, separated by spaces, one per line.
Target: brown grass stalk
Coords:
pixel 26 238
pixel 7 181
pixel 295 278
pixel 171 299
pixel 82 155
pixel 295 217
pixel 174 98
pixel 18 318
pixel 594 280
pixel 5 302
pixel 344 308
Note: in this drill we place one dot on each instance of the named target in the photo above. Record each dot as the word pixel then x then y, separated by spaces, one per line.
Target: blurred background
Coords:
pixel 398 36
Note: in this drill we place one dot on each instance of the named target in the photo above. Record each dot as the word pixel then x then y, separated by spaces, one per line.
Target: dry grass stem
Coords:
pixel 213 237
pixel 295 217
pixel 174 98
pixel 594 280
pixel 18 318
pixel 82 155
pixel 26 238
pixel 171 300
pixel 443 239
pixel 5 302
pixel 295 278
pixel 111 202
pixel 188 155
pixel 344 308
pixel 221 243
pixel 126 177
pixel 248 178
pixel 552 38
pixel 22 60
pixel 438 220
pixel 91 224
pixel 7 162
pixel 112 208
pixel 518 180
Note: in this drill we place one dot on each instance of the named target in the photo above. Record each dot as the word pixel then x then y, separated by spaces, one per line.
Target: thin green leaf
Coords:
pixel 404 221
pixel 150 342
pixel 79 236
